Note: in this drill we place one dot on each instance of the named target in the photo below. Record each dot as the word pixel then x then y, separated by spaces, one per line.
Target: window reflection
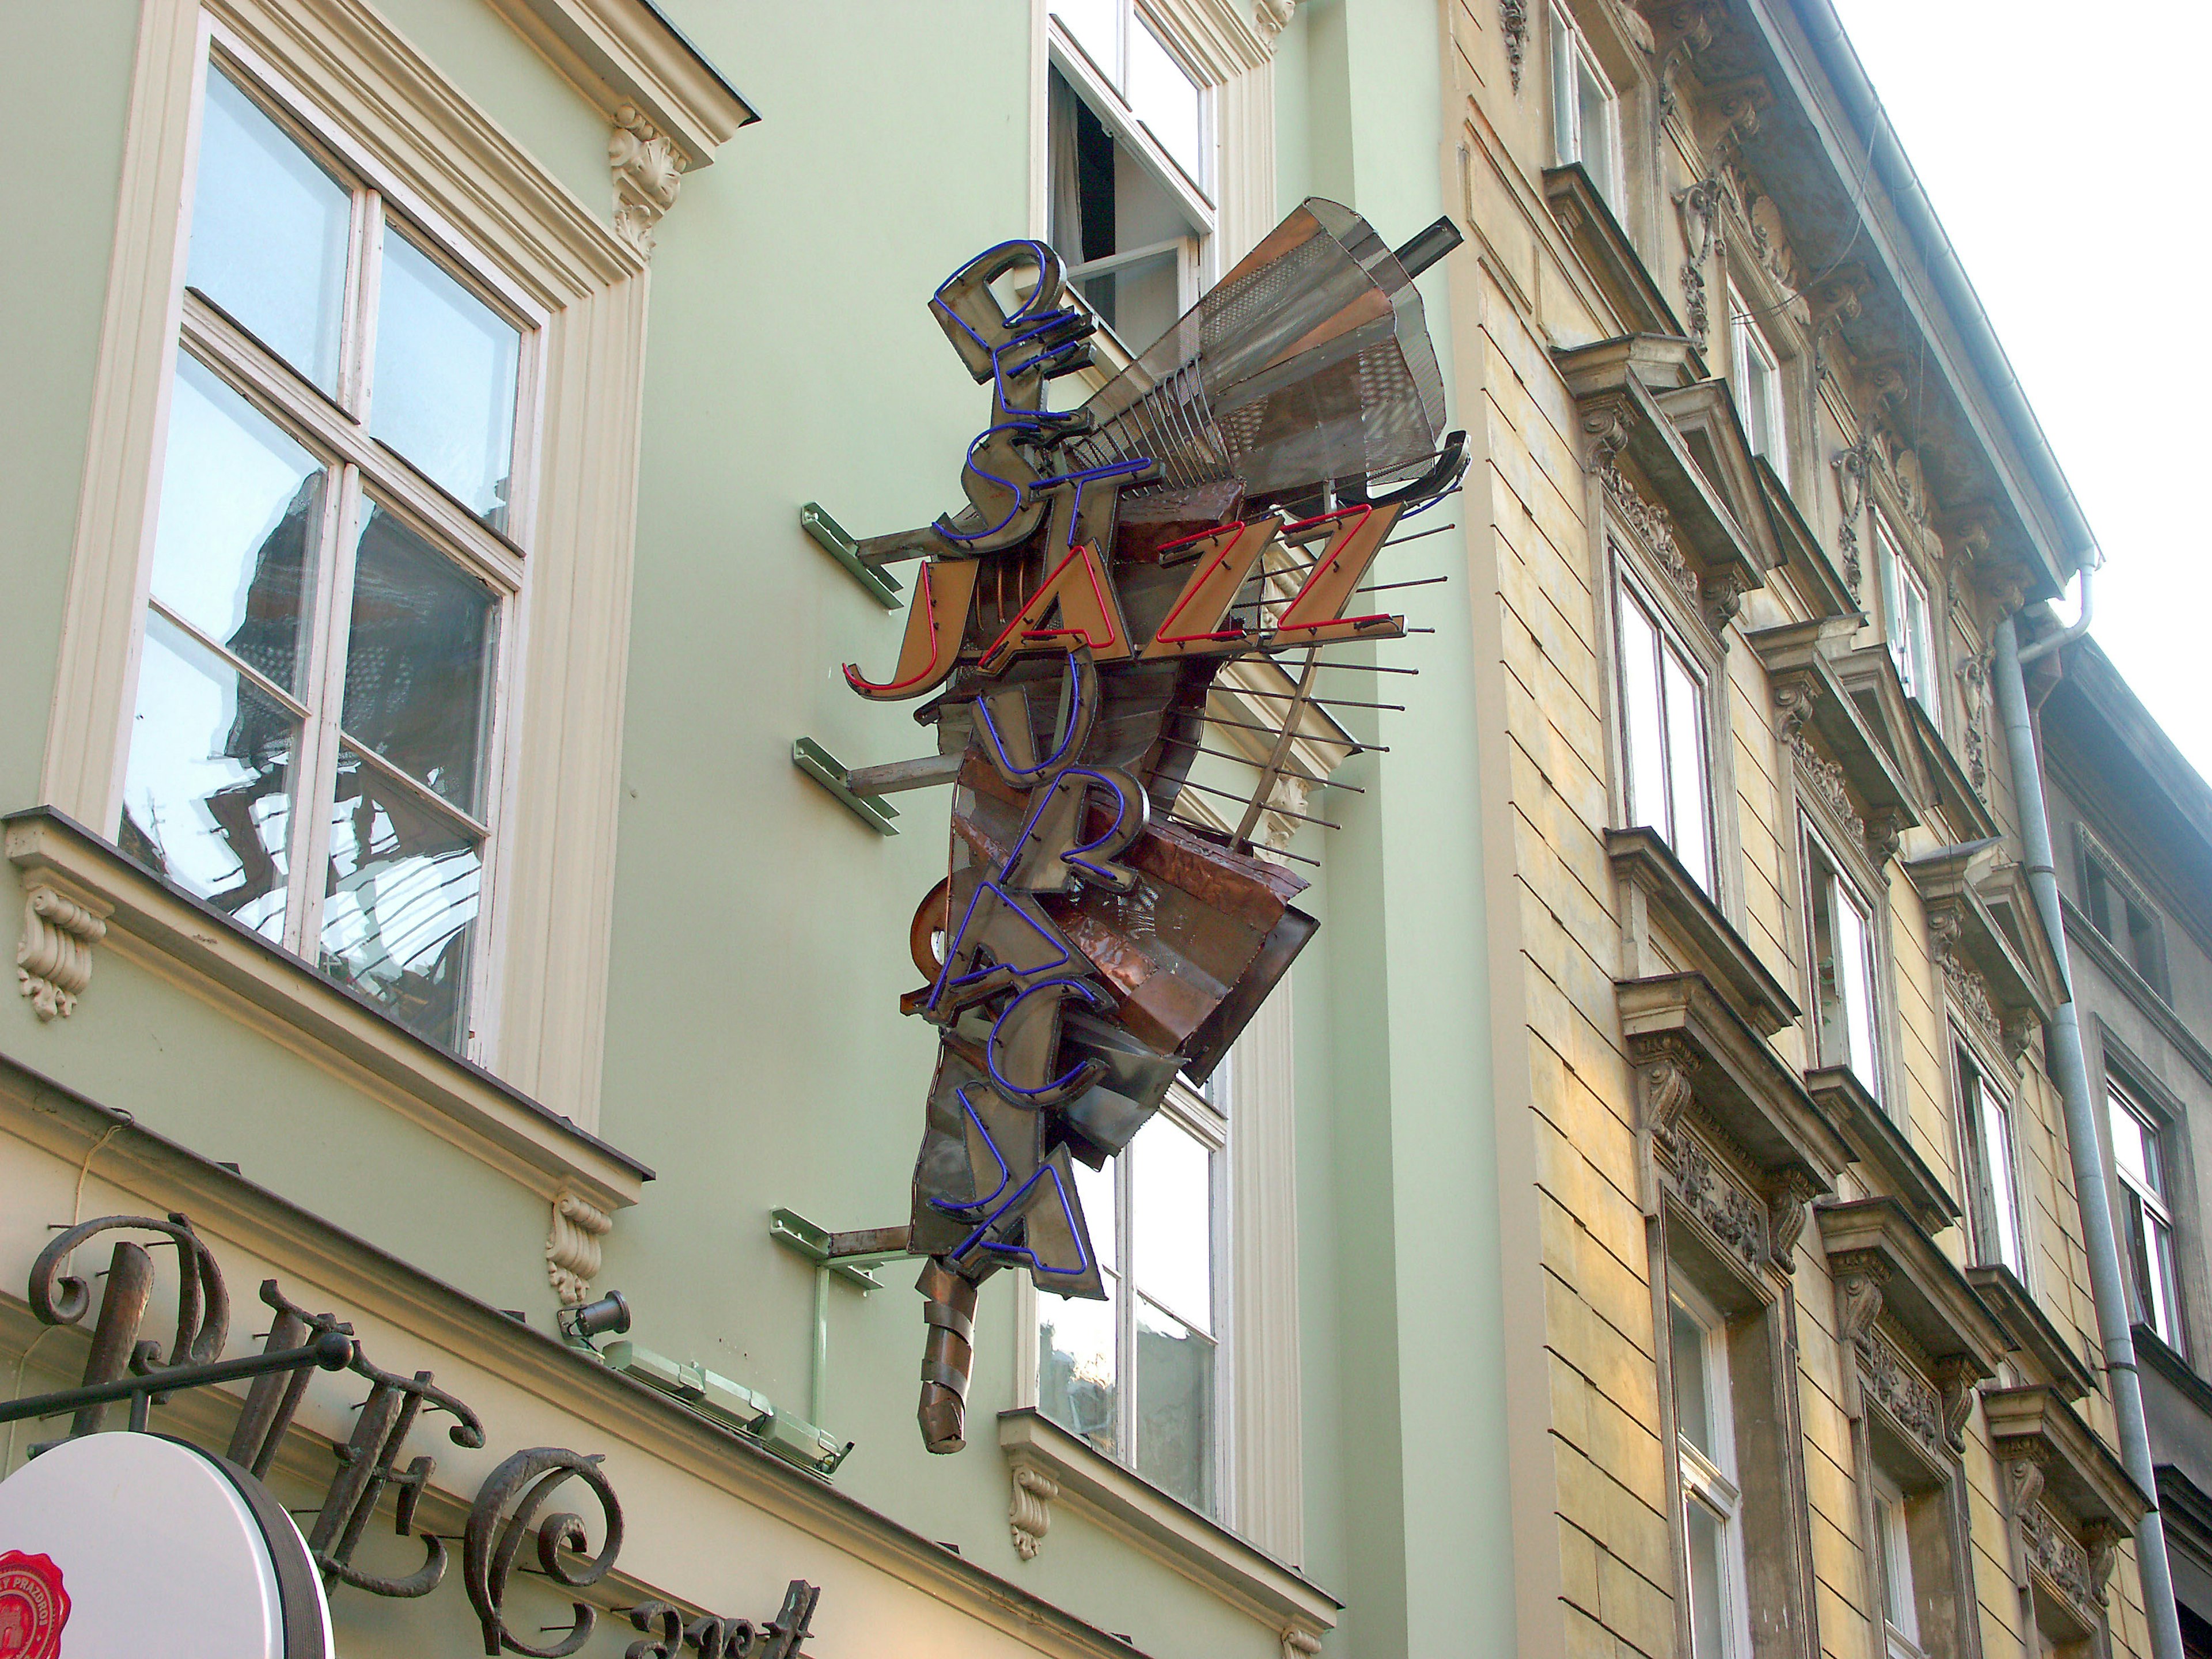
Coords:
pixel 400 908
pixel 1076 1372
pixel 207 796
pixel 1175 1406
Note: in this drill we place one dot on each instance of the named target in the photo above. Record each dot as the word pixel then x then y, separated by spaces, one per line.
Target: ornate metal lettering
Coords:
pixel 493 1537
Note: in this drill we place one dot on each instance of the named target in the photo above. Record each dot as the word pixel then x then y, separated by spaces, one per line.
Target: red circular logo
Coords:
pixel 34 1606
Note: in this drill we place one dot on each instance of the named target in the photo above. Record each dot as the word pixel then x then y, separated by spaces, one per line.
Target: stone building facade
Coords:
pixel 1802 1352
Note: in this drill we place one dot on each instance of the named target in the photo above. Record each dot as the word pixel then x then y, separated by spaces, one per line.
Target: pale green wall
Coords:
pixel 755 1055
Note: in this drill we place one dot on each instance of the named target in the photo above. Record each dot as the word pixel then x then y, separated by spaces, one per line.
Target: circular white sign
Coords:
pixel 110 1542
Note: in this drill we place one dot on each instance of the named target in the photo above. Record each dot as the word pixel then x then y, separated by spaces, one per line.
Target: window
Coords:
pixel 1892 1568
pixel 1757 383
pixel 1906 620
pixel 2122 913
pixel 1663 738
pixel 1844 977
pixel 1986 1133
pixel 1704 1439
pixel 1137 1376
pixel 2139 1156
pixel 1131 165
pixel 314 749
pixel 1585 114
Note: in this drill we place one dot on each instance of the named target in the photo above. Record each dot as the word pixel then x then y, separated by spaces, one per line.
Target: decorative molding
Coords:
pixel 1899 1387
pixel 1790 1197
pixel 1029 1516
pixel 1689 24
pixel 1970 992
pixel 1709 1192
pixel 2024 1477
pixel 1273 16
pixel 624 52
pixel 1955 1378
pixel 1724 594
pixel 1608 422
pixel 648 171
pixel 1852 464
pixel 571 1247
pixel 1656 529
pixel 1513 22
pixel 1974 699
pixel 2051 1551
pixel 2101 1538
pixel 1827 781
pixel 1860 1277
pixel 1664 1066
pixel 1794 695
pixel 1700 205
pixel 53 962
pixel 1300 1643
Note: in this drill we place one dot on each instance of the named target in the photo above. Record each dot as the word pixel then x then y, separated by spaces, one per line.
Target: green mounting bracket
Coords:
pixel 830 535
pixel 826 769
pixel 847 1256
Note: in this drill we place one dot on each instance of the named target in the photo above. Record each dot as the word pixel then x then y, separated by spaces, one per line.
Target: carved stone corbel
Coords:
pixel 1664 1066
pixel 1513 24
pixel 571 1247
pixel 648 171
pixel 2101 1538
pixel 1885 834
pixel 1724 591
pixel 1700 205
pixel 1954 1379
pixel 1300 1643
pixel 1273 16
pixel 1974 699
pixel 1608 422
pixel 1029 1516
pixel 1689 27
pixel 1860 1277
pixel 2023 1466
pixel 1837 298
pixel 1794 697
pixel 1789 1201
pixel 2014 1032
pixel 53 962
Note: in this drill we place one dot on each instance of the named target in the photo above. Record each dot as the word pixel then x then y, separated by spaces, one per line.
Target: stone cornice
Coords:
pixel 622 52
pixel 1918 1287
pixel 1819 721
pixel 1655 888
pixel 2083 1477
pixel 2034 1338
pixel 1968 939
pixel 1878 1143
pixel 1614 264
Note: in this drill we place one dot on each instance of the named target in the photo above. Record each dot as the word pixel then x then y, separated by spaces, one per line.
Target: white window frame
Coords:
pixel 1838 896
pixel 1908 619
pixel 1571 58
pixel 542 1028
pixel 1710 1481
pixel 1757 383
pixel 1197 256
pixel 333 432
pixel 2149 1221
pixel 1982 1109
pixel 1653 706
pixel 1196 1113
pixel 1897 1600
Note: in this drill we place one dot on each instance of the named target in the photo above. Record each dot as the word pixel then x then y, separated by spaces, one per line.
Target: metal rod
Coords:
pixel 1433 529
pixel 1333 700
pixel 1257 766
pixel 2063 1042
pixel 330 1350
pixel 818 1384
pixel 1227 794
pixel 1361 667
pixel 1272 852
pixel 1418 581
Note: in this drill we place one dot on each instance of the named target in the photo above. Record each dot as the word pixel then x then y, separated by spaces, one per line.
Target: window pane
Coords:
pixel 1094 1191
pixel 1855 965
pixel 1096 25
pixel 1076 1383
pixel 207 794
pixel 1175 1406
pixel 419 659
pixel 2004 1201
pixel 2164 1301
pixel 2131 1146
pixel 1643 731
pixel 1565 138
pixel 1171 1216
pixel 1685 770
pixel 1693 1412
pixel 269 229
pixel 241 516
pixel 446 378
pixel 1166 100
pixel 399 917
pixel 1593 119
pixel 1140 300
pixel 1708 1588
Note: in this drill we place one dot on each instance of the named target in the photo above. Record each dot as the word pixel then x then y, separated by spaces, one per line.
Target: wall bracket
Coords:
pixel 831 536
pixel 826 769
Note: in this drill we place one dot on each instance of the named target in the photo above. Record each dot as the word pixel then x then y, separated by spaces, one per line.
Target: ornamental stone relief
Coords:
pixel 1900 1389
pixel 1656 529
pixel 1709 1192
pixel 1827 781
pixel 2052 1552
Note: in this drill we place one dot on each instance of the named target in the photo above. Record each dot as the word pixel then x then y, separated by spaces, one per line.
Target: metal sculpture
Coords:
pixel 1223 495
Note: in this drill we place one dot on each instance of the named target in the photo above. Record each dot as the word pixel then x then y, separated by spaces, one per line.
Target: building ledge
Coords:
pixel 626 51
pixel 2034 1338
pixel 1207 1554
pixel 1604 248
pixel 2079 1473
pixel 1876 1241
pixel 1819 719
pixel 1823 588
pixel 460 1101
pixel 2019 979
pixel 1876 1140
pixel 1655 888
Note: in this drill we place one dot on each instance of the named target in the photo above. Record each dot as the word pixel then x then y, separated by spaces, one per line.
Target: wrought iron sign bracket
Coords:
pixel 883 588
pixel 826 769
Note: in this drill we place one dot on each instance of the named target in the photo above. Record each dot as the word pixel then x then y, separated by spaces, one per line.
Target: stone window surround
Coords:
pixel 363 82
pixel 1998 991
pixel 2071 1503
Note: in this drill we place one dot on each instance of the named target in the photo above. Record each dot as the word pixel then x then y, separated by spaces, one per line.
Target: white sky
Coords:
pixel 2062 145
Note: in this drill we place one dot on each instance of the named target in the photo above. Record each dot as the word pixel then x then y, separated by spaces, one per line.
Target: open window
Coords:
pixel 2121 911
pixel 1585 110
pixel 2140 1159
pixel 1996 1230
pixel 1667 778
pixel 1840 937
pixel 1907 619
pixel 1131 166
pixel 1755 377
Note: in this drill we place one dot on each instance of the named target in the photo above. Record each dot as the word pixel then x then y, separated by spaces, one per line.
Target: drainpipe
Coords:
pixel 2063 1046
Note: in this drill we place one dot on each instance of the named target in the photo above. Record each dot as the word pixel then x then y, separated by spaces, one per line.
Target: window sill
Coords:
pixel 460 1101
pixel 1208 1554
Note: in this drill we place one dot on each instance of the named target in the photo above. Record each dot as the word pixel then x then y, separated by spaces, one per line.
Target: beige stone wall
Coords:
pixel 1542 564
